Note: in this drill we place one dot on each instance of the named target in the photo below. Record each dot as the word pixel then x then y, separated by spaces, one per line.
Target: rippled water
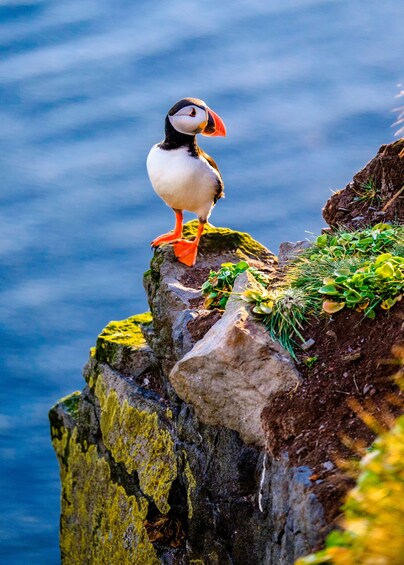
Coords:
pixel 306 88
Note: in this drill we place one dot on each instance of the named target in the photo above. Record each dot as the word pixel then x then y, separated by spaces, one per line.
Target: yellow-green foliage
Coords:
pixel 136 439
pixel 100 523
pixel 374 511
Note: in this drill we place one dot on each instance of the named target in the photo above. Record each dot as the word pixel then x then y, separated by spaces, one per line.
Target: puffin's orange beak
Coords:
pixel 215 125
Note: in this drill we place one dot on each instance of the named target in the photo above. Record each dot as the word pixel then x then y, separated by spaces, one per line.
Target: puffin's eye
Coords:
pixel 193 112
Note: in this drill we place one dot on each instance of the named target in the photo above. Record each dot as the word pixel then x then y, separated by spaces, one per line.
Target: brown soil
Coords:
pixel 317 424
pixel 203 322
pixel 355 206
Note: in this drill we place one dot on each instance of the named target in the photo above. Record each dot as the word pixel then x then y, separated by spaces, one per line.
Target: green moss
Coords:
pixel 224 239
pixel 136 439
pixel 71 403
pixel 121 334
pixel 100 523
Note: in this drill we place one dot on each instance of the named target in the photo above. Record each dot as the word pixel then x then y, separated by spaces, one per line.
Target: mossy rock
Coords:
pixel 71 404
pixel 122 345
pixel 225 239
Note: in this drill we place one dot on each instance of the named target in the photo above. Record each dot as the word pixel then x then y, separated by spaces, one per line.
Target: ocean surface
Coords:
pixel 307 90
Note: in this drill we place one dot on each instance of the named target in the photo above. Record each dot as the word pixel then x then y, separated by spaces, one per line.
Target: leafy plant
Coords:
pixel 369 241
pixel 220 283
pixel 282 311
pixel 310 361
pixel 378 282
pixel 368 193
pixel 354 269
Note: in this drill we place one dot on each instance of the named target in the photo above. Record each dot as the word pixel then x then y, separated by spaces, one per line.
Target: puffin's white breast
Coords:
pixel 184 182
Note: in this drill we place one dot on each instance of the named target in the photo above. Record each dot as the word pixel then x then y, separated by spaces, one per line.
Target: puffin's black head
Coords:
pixel 191 116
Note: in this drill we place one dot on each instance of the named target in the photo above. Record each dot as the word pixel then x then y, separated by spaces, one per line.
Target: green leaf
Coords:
pixel 340 279
pixel 388 303
pixel 257 309
pixel 386 271
pixel 223 302
pixel 329 289
pixel 321 241
pixel 381 227
pixel 383 257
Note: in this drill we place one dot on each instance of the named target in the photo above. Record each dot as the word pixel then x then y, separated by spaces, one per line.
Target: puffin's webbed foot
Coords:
pixel 171 236
pixel 186 252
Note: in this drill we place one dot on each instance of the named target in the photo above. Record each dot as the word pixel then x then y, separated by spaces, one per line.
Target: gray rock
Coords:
pixel 144 479
pixel 289 250
pixel 230 375
pixel 173 289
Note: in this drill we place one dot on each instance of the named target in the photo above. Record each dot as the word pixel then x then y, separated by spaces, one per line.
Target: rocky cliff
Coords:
pixel 164 456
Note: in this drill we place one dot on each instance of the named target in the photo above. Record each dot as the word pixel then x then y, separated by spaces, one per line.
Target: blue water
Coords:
pixel 306 88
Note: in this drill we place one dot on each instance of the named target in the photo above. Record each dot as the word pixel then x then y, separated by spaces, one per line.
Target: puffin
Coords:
pixel 183 175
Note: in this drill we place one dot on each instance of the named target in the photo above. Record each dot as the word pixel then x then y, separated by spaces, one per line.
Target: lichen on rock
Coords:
pixel 100 522
pixel 137 439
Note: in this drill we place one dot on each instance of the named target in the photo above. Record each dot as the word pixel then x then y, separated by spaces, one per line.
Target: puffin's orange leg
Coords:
pixel 172 235
pixel 186 251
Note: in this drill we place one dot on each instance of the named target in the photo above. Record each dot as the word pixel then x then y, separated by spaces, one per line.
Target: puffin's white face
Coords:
pixel 190 119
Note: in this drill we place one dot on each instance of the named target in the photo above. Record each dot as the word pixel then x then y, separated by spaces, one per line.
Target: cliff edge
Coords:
pixel 199 439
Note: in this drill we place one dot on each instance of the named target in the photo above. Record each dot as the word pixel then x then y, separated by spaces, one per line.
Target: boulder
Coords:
pixel 230 374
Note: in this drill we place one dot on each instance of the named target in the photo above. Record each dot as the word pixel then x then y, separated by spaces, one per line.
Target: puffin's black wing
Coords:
pixel 220 184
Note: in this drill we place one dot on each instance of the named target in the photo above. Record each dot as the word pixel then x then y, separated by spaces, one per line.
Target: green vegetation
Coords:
pixel 355 269
pixel 219 285
pixel 374 511
pixel 310 361
pixel 377 282
pixel 124 332
pixel 368 193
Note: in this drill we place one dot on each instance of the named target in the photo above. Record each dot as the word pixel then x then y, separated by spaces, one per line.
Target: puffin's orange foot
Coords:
pixel 186 252
pixel 169 237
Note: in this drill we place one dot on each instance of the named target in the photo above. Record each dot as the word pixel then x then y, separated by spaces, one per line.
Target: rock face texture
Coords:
pixel 229 375
pixel 146 477
pixel 375 194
